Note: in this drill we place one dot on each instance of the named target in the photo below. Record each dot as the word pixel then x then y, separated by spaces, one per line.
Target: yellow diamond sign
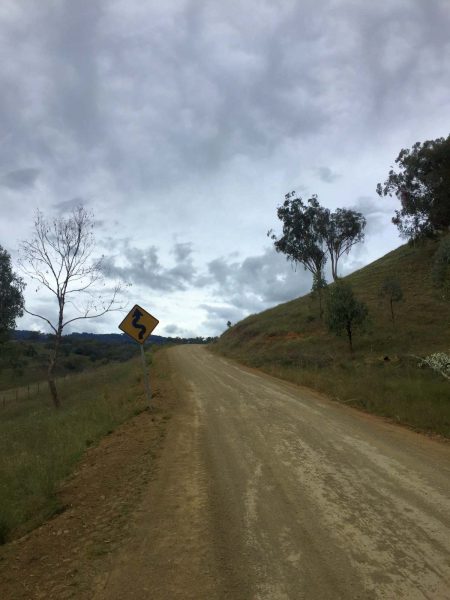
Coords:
pixel 138 324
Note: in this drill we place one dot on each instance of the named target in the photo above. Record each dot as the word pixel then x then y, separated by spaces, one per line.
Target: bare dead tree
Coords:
pixel 59 257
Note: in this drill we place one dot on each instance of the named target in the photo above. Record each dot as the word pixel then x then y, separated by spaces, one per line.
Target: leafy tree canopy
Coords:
pixel 311 232
pixel 422 184
pixel 302 240
pixel 11 297
pixel 342 229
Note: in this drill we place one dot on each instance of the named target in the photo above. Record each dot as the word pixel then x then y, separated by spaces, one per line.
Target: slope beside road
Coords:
pixel 272 492
pixel 240 486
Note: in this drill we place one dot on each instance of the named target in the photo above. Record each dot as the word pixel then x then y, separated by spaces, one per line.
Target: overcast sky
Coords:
pixel 182 124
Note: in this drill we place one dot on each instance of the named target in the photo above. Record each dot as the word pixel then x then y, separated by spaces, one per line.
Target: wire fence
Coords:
pixel 29 391
pixel 63 382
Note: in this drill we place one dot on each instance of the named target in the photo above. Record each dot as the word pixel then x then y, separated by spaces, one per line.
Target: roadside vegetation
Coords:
pixel 383 375
pixel 39 446
pixel 24 362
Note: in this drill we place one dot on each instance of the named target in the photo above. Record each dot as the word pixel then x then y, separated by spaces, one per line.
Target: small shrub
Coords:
pixel 439 362
pixel 345 312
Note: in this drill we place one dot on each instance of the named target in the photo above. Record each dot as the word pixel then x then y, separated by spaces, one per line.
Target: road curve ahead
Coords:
pixel 304 498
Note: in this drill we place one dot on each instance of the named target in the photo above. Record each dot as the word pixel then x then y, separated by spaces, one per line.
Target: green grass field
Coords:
pixel 291 342
pixel 39 446
pixel 24 362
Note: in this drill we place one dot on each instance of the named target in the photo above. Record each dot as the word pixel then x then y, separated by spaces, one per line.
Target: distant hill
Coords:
pixel 105 338
pixel 290 341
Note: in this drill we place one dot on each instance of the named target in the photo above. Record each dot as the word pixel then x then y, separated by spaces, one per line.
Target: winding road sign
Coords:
pixel 138 324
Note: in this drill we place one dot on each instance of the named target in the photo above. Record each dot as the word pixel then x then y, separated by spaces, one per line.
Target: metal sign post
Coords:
pixel 139 324
pixel 146 377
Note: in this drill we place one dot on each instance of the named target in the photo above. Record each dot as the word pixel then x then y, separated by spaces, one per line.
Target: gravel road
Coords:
pixel 268 491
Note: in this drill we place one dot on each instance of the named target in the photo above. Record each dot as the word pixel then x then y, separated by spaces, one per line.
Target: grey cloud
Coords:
pixel 327 175
pixel 182 251
pixel 74 45
pixel 257 281
pixel 19 179
pixel 217 316
pixel 173 329
pixel 154 94
pixel 369 205
pixel 229 313
pixel 244 286
pixel 69 205
pixel 143 267
pixel 378 212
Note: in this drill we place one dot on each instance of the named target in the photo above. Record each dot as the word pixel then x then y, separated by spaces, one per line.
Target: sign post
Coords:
pixel 148 389
pixel 139 324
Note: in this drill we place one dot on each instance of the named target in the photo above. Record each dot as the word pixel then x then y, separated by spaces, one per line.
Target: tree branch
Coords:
pixel 40 317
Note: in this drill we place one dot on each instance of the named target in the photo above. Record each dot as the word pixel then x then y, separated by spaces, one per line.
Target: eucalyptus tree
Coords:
pixel 311 233
pixel 422 184
pixel 302 240
pixel 343 228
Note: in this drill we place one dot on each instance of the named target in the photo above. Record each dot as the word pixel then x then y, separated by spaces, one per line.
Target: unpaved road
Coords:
pixel 267 491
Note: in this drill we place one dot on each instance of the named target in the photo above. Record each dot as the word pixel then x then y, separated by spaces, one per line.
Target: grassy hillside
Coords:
pixel 290 341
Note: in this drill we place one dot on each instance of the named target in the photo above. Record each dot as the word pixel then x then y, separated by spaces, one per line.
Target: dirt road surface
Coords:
pixel 271 492
pixel 240 486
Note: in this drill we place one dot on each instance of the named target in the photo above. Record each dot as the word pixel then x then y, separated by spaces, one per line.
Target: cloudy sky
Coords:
pixel 182 124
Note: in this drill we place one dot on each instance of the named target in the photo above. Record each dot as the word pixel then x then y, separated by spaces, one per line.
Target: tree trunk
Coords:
pixel 53 390
pixel 349 335
pixel 51 370
pixel 334 268
pixel 392 310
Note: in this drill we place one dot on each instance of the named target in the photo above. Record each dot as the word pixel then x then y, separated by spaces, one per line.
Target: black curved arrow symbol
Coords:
pixel 136 316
